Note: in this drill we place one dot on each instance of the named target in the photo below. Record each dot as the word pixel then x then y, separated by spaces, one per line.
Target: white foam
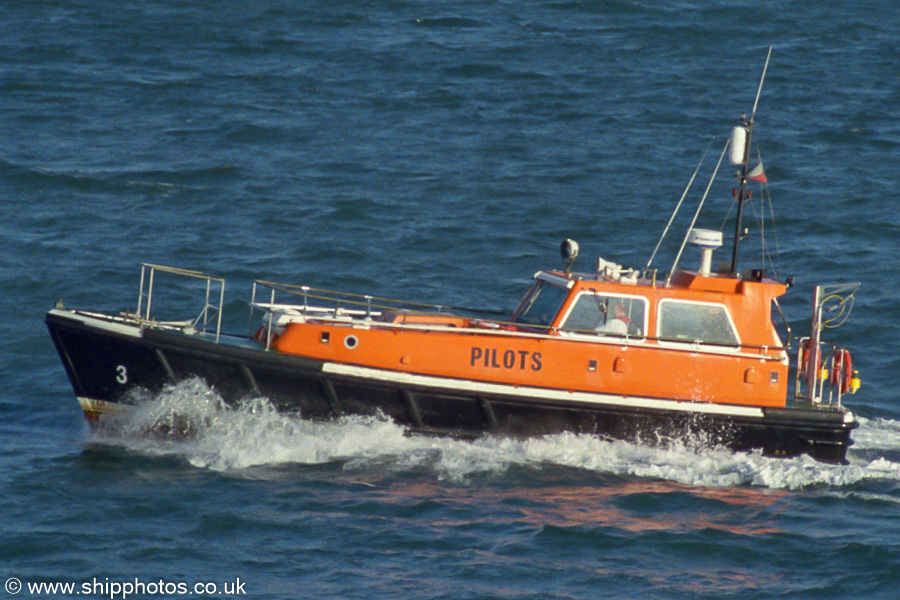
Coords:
pixel 878 434
pixel 190 420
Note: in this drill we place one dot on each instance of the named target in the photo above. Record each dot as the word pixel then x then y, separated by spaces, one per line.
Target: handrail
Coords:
pixel 814 383
pixel 367 309
pixel 207 313
pixel 368 305
pixel 784 320
pixel 345 297
pixel 366 299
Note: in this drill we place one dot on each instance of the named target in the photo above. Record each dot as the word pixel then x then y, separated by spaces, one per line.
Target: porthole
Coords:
pixel 350 342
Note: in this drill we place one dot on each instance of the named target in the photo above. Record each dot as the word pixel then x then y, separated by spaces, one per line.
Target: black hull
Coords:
pixel 106 360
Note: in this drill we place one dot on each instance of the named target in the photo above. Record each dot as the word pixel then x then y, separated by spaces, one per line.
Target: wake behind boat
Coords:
pixel 618 352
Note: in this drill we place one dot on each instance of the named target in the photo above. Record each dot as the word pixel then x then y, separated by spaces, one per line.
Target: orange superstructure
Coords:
pixel 667 354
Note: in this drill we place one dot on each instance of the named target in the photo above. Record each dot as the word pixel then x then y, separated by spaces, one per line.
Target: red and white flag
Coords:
pixel 758 174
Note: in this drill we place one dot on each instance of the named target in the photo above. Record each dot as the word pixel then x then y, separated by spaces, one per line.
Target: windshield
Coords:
pixel 541 305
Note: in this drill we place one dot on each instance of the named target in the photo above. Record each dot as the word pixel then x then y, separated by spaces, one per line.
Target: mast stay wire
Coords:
pixel 684 194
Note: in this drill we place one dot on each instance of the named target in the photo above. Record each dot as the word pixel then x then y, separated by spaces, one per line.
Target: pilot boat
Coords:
pixel 616 352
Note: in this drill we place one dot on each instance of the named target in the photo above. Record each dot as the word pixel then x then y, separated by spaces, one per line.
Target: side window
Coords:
pixel 586 315
pixel 780 324
pixel 610 315
pixel 696 322
pixel 541 305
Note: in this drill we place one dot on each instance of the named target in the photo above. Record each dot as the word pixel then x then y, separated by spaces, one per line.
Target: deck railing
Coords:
pixel 307 301
pixel 817 359
pixel 822 382
pixel 209 313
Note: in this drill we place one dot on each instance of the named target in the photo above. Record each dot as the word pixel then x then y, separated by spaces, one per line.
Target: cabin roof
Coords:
pixel 681 280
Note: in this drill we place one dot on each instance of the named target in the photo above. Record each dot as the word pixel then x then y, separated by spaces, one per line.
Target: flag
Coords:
pixel 757 174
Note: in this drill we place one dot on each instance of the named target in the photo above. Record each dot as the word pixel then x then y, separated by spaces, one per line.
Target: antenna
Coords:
pixel 761 79
pixel 697 213
pixel 743 133
pixel 677 207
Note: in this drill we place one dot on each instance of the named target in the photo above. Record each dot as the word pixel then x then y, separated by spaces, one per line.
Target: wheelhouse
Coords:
pixel 718 313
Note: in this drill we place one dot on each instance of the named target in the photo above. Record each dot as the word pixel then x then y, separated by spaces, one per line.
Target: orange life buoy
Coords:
pixel 260 335
pixel 841 370
pixel 804 358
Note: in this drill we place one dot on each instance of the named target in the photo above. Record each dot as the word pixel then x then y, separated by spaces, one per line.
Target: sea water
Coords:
pixel 437 152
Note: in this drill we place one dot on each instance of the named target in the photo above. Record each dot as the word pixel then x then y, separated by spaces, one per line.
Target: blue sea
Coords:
pixel 439 152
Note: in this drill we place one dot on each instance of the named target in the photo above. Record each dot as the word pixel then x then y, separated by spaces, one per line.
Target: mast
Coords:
pixel 740 154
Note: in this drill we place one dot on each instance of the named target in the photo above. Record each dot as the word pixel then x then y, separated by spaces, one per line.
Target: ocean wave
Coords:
pixel 191 421
pixel 83 179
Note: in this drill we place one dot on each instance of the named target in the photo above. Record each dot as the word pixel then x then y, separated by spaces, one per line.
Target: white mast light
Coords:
pixel 738 145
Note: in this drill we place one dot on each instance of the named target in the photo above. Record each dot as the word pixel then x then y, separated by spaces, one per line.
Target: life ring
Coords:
pixel 841 370
pixel 260 335
pixel 804 358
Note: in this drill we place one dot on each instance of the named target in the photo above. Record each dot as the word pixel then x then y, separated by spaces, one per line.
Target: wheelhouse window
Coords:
pixel 541 305
pixel 780 326
pixel 607 314
pixel 702 322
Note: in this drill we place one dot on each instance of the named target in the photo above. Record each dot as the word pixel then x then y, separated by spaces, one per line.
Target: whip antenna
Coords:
pixel 740 152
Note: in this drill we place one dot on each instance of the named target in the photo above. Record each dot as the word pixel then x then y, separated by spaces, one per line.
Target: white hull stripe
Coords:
pixel 539 393
pixel 105 324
